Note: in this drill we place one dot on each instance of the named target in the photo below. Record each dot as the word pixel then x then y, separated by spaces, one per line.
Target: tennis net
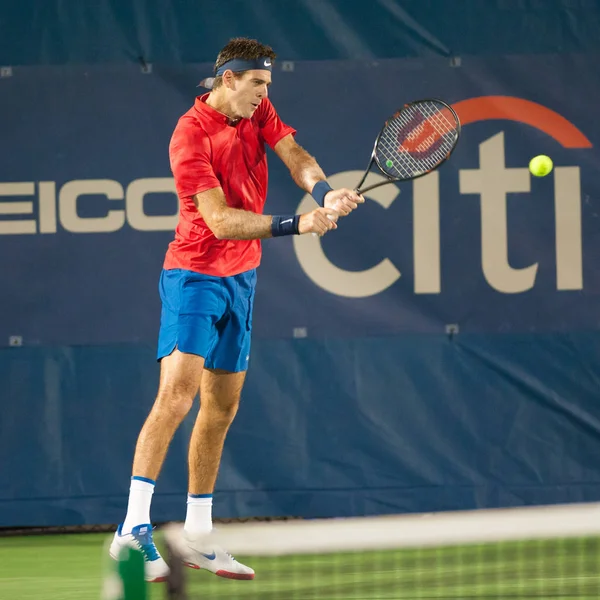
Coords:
pixel 537 552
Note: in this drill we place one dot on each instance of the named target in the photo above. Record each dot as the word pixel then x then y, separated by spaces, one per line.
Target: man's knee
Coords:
pixel 220 412
pixel 220 396
pixel 175 401
pixel 180 376
pixel 228 409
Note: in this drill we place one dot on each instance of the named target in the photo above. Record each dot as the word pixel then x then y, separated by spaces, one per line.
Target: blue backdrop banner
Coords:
pixel 87 204
pixel 438 351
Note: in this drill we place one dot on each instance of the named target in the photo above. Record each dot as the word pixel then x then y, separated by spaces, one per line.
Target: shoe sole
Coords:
pixel 224 574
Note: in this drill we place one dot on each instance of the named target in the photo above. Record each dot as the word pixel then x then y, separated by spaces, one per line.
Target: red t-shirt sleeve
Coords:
pixel 272 128
pixel 190 154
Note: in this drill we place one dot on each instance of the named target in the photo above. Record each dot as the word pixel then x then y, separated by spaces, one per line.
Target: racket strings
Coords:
pixel 406 163
pixel 419 158
pixel 425 155
pixel 388 141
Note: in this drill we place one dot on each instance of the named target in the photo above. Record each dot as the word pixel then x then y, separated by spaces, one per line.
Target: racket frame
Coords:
pixel 374 159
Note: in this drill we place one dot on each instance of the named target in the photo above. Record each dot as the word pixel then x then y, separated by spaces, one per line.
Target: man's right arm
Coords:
pixel 228 223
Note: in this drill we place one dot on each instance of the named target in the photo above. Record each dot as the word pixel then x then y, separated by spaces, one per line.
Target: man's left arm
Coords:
pixel 308 175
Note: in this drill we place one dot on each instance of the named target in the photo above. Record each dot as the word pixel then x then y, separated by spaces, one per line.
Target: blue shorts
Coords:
pixel 208 316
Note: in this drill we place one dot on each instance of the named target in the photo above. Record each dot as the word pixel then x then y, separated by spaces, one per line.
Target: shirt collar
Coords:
pixel 204 109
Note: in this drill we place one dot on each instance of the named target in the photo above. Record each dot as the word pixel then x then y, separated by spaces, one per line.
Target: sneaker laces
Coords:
pixel 147 545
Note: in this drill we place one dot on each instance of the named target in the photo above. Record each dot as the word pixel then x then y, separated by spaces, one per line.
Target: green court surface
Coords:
pixel 71 566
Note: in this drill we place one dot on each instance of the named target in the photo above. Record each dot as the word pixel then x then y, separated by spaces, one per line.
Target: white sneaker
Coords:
pixel 140 538
pixel 199 553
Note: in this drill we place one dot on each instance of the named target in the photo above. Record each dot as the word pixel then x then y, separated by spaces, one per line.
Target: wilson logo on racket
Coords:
pixel 419 137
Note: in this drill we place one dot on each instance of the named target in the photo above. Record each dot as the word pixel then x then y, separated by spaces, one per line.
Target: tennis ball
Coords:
pixel 389 163
pixel 540 165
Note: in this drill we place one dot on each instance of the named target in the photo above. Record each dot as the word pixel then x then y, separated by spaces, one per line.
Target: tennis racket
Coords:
pixel 413 142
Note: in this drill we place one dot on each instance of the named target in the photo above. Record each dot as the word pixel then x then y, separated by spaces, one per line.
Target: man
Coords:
pixel 217 155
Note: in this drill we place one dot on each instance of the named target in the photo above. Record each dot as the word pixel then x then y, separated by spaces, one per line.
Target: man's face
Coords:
pixel 247 92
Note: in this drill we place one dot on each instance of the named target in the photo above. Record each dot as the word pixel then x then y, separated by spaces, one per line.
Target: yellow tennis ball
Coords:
pixel 540 165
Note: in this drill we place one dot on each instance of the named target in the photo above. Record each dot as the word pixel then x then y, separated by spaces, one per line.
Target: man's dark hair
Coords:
pixel 243 48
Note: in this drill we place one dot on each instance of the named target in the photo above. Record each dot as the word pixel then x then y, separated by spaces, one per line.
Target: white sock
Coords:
pixel 198 519
pixel 138 508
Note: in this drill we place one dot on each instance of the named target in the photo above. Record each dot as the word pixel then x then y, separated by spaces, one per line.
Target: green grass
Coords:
pixel 71 567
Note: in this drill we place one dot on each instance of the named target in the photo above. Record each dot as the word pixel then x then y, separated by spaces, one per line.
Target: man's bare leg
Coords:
pixel 180 379
pixel 219 400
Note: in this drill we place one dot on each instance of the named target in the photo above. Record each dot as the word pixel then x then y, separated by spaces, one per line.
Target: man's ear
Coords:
pixel 229 79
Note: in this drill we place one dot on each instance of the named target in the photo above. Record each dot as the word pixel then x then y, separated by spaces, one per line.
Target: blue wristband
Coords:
pixel 284 225
pixel 318 192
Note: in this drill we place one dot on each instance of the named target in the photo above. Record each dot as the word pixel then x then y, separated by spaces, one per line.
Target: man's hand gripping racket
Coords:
pixel 415 141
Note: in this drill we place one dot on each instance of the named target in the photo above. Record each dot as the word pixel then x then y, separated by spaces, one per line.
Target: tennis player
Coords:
pixel 217 155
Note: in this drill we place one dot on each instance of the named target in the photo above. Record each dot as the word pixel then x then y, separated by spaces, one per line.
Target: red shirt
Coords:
pixel 206 152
